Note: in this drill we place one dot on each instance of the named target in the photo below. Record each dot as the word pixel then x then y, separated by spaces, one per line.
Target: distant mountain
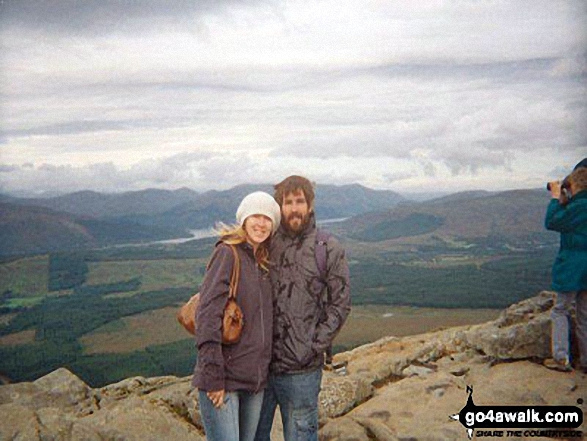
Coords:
pixel 516 216
pixel 186 208
pixel 461 196
pixel 109 205
pixel 351 200
pixel 4 198
pixel 213 206
pixel 32 229
pixel 88 219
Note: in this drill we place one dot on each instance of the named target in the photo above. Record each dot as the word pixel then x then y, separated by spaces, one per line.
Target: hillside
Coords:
pixel 107 205
pixel 396 388
pixel 33 230
pixel 514 216
pixel 37 229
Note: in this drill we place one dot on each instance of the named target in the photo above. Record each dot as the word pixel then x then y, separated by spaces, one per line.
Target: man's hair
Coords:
pixel 579 178
pixel 293 184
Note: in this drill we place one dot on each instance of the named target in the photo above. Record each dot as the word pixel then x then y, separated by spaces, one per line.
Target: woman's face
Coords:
pixel 258 229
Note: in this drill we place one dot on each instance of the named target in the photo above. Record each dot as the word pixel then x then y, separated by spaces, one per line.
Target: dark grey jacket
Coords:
pixel 307 314
pixel 244 365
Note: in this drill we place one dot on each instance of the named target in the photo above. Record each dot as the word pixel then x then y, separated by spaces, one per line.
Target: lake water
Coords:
pixel 204 233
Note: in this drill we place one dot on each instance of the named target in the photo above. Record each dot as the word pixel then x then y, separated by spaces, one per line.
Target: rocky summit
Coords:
pixel 393 389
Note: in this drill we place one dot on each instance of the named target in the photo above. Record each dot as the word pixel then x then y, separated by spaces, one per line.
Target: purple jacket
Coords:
pixel 244 365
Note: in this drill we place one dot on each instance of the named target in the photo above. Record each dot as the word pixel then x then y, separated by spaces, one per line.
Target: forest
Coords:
pixel 53 305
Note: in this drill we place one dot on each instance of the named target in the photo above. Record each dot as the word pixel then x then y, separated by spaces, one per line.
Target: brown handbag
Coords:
pixel 232 322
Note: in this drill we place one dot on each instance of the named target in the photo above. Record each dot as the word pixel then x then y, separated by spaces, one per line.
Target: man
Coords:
pixel 308 309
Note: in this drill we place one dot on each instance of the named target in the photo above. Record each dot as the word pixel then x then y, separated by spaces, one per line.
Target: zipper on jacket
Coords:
pixel 262 325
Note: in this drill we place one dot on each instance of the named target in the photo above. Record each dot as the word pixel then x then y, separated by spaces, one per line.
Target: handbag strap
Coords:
pixel 236 269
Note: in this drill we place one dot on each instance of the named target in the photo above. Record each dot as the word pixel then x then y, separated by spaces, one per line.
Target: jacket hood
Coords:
pixel 580 195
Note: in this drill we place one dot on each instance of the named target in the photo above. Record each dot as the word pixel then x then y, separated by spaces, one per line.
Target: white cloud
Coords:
pixel 216 93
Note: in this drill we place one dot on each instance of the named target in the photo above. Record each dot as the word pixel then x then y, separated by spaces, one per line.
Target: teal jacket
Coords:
pixel 569 271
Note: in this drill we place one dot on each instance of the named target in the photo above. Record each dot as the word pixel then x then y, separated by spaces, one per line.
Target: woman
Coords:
pixel 231 378
pixel 567 214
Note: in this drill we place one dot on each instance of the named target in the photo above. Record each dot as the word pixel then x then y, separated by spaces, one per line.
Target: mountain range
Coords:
pixel 89 219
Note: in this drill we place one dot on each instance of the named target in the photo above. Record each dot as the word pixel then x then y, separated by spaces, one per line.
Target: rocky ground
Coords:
pixel 393 389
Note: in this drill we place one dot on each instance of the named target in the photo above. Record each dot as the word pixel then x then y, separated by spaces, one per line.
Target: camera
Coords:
pixel 565 185
pixel 565 193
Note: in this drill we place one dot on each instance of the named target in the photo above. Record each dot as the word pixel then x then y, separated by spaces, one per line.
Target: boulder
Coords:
pixel 60 389
pixel 139 419
pixel 339 394
pixel 521 331
pixel 61 407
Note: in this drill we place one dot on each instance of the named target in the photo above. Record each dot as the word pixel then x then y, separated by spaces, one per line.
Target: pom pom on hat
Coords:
pixel 259 202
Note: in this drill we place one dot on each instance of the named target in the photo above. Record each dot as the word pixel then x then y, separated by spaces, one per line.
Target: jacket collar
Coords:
pixel 243 245
pixel 581 195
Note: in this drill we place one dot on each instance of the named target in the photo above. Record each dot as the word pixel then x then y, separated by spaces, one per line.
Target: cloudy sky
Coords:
pixel 418 95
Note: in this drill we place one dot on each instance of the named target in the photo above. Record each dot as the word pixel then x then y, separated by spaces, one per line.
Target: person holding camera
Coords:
pixel 567 214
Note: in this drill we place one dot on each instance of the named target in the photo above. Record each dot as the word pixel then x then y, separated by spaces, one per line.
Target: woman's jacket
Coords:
pixel 244 365
pixel 569 271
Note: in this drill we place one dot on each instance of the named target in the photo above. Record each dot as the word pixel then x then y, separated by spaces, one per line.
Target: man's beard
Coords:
pixel 298 227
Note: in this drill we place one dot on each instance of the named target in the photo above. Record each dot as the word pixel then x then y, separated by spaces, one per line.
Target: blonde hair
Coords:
pixel 579 179
pixel 236 234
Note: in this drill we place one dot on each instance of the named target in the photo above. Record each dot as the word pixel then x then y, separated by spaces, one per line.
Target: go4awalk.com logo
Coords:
pixel 513 421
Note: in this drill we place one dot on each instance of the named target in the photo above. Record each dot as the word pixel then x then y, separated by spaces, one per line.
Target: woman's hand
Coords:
pixel 217 398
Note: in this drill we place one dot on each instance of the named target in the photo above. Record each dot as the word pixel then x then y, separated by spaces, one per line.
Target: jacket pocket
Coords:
pixel 300 337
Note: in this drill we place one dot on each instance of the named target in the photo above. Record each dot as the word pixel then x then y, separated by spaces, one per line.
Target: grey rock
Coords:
pixel 412 370
pixel 339 394
pixel 138 419
pixel 394 389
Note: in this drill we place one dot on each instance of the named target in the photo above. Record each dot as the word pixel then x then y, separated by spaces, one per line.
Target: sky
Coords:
pixel 410 96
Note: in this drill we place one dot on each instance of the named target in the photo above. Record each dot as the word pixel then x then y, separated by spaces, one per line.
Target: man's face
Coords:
pixel 295 211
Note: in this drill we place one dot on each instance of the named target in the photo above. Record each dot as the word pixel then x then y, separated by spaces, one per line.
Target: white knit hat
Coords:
pixel 259 202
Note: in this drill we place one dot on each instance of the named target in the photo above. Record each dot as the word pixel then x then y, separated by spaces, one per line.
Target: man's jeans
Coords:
pixel 297 397
pixel 236 420
pixel 560 315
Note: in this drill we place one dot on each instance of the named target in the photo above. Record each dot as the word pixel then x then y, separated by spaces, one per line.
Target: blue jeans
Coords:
pixel 297 397
pixel 236 420
pixel 560 315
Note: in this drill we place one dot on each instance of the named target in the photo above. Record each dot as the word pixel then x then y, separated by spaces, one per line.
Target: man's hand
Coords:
pixel 217 398
pixel 555 189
